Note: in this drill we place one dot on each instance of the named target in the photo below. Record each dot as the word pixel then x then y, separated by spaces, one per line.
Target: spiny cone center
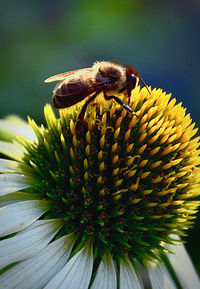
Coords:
pixel 125 181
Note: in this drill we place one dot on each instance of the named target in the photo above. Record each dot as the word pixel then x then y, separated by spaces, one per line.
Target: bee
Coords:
pixel 107 77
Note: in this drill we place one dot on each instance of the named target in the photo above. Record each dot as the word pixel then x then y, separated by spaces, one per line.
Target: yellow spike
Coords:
pixel 127 135
pixel 115 172
pixel 132 122
pixel 131 174
pixel 177 203
pixel 151 205
pixel 99 180
pixel 100 155
pixel 104 118
pixel 143 163
pixel 143 127
pixel 71 153
pixel 90 124
pixel 170 130
pixel 102 141
pixel 155 217
pixel 85 176
pixel 62 139
pixel 118 182
pixel 154 151
pixel 158 179
pixel 114 148
pixel 147 192
pixel 116 133
pixel 167 216
pixel 156 164
pixel 142 149
pixel 143 119
pixel 85 164
pixel 88 137
pixel 74 140
pixel 153 139
pixel 130 160
pixel 102 192
pixel 118 122
pixel 115 159
pixel 103 130
pixel 144 175
pixel 135 201
pixel 142 138
pixel 152 130
pixel 169 180
pixel 112 110
pixel 175 147
pixel 129 147
pixel 72 127
pixel 152 110
pixel 134 187
pixel 87 150
pixel 101 167
pixel 71 170
pixel 166 151
pixel 164 139
pixel 163 205
pixel 57 156
pixel 124 112
pixel 47 146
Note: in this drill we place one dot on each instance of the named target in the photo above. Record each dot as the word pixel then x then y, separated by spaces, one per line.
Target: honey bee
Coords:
pixel 107 77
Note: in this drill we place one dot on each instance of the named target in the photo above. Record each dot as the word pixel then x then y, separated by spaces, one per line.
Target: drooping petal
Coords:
pixel 10 183
pixel 36 272
pixel 11 150
pixel 76 273
pixel 14 126
pixel 128 276
pixel 18 197
pixel 106 277
pixel 28 242
pixel 183 266
pixel 8 166
pixel 16 217
pixel 160 277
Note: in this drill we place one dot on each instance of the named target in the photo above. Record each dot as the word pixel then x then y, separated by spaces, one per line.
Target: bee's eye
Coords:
pixel 134 80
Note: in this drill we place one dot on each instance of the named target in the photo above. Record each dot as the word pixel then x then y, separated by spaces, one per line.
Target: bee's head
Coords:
pixel 135 80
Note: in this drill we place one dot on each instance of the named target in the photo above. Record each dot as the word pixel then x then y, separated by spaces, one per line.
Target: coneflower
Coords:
pixel 102 207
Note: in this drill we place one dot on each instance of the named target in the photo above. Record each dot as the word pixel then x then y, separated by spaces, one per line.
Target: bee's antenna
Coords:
pixel 145 85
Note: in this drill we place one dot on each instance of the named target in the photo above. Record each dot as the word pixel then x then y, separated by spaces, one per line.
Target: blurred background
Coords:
pixel 41 38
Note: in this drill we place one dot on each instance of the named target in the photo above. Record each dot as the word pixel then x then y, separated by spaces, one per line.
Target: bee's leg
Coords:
pixel 120 102
pixel 79 123
pixel 83 109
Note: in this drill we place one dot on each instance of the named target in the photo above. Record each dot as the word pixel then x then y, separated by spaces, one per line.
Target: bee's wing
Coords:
pixel 62 76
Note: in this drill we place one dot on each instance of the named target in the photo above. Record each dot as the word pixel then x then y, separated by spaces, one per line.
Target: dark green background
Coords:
pixel 41 38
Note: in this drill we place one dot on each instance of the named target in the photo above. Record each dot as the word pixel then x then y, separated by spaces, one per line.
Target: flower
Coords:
pixel 101 206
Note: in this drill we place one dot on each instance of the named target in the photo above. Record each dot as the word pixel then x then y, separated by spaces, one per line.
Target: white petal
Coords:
pixel 128 276
pixel 36 272
pixel 183 266
pixel 106 274
pixel 17 216
pixel 11 150
pixel 76 273
pixel 10 183
pixel 17 197
pixel 160 277
pixel 28 243
pixel 14 126
pixel 7 166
